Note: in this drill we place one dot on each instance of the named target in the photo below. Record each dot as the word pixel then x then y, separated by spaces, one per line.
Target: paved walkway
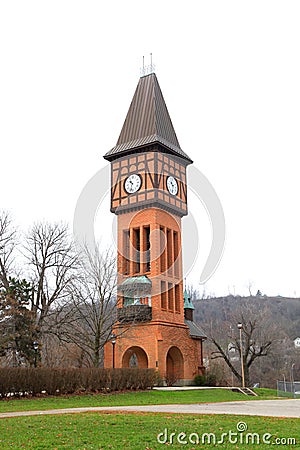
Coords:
pixel 271 408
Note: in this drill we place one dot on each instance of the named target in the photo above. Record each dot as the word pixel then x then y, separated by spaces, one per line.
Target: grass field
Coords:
pixel 139 431
pixel 152 397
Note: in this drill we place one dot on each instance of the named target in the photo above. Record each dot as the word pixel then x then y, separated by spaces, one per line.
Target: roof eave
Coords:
pixel 109 156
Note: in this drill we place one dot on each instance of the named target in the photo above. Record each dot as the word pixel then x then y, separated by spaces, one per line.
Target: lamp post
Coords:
pixel 231 335
pixel 113 341
pixel 35 348
pixel 292 379
pixel 240 327
pixel 284 383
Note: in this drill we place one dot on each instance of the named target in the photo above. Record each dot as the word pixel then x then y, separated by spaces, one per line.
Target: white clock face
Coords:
pixel 132 183
pixel 172 185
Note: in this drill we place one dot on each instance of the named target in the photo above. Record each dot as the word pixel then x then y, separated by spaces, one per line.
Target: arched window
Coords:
pixel 133 361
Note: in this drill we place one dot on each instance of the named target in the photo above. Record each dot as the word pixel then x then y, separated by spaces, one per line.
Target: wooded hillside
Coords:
pixel 275 323
pixel 284 310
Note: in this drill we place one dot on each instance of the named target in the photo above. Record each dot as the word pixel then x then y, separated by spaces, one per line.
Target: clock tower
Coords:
pixel 149 197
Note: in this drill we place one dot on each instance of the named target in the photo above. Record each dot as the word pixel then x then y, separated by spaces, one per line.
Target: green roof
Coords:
pixel 141 280
pixel 188 304
pixel 131 286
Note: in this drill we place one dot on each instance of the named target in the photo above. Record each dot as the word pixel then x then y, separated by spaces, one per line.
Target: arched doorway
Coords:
pixel 174 366
pixel 135 357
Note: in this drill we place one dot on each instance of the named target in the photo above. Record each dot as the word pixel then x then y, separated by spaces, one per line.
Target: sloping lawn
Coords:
pixel 151 397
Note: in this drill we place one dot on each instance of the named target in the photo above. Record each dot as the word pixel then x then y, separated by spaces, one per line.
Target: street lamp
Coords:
pixel 35 348
pixel 240 327
pixel 292 379
pixel 113 341
pixel 231 335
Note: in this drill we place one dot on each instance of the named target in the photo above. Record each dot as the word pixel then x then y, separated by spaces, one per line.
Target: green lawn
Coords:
pixel 131 398
pixel 140 431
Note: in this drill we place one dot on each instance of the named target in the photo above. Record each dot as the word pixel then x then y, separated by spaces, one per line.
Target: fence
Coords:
pixel 289 389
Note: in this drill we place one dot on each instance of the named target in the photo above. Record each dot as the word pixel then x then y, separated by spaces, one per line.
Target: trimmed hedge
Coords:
pixel 35 381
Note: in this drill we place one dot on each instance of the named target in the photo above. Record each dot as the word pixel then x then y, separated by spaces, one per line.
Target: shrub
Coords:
pixel 200 380
pixel 209 379
pixel 34 381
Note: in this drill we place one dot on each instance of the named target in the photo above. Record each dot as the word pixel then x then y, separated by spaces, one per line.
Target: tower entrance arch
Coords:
pixel 174 365
pixel 135 357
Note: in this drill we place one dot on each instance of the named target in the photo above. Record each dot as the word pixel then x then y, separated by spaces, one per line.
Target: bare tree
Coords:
pixel 250 286
pixel 91 311
pixel 192 292
pixel 52 260
pixel 17 328
pixel 57 353
pixel 7 246
pixel 258 339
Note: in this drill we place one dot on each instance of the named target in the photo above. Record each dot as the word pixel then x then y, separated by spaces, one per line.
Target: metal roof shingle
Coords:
pixel 147 121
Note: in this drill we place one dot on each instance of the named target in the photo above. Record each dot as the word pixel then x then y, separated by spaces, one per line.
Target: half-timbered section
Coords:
pixel 153 168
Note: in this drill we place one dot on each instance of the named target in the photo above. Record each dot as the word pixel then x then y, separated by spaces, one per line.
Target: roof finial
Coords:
pixel 147 70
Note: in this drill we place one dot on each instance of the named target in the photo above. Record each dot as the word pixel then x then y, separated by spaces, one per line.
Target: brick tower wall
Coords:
pixel 152 340
pixel 166 259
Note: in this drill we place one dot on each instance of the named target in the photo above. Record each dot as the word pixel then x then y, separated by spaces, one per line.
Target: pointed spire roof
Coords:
pixel 147 122
pixel 188 304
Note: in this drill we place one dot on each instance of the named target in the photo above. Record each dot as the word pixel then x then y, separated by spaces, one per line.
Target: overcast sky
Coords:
pixel 229 72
